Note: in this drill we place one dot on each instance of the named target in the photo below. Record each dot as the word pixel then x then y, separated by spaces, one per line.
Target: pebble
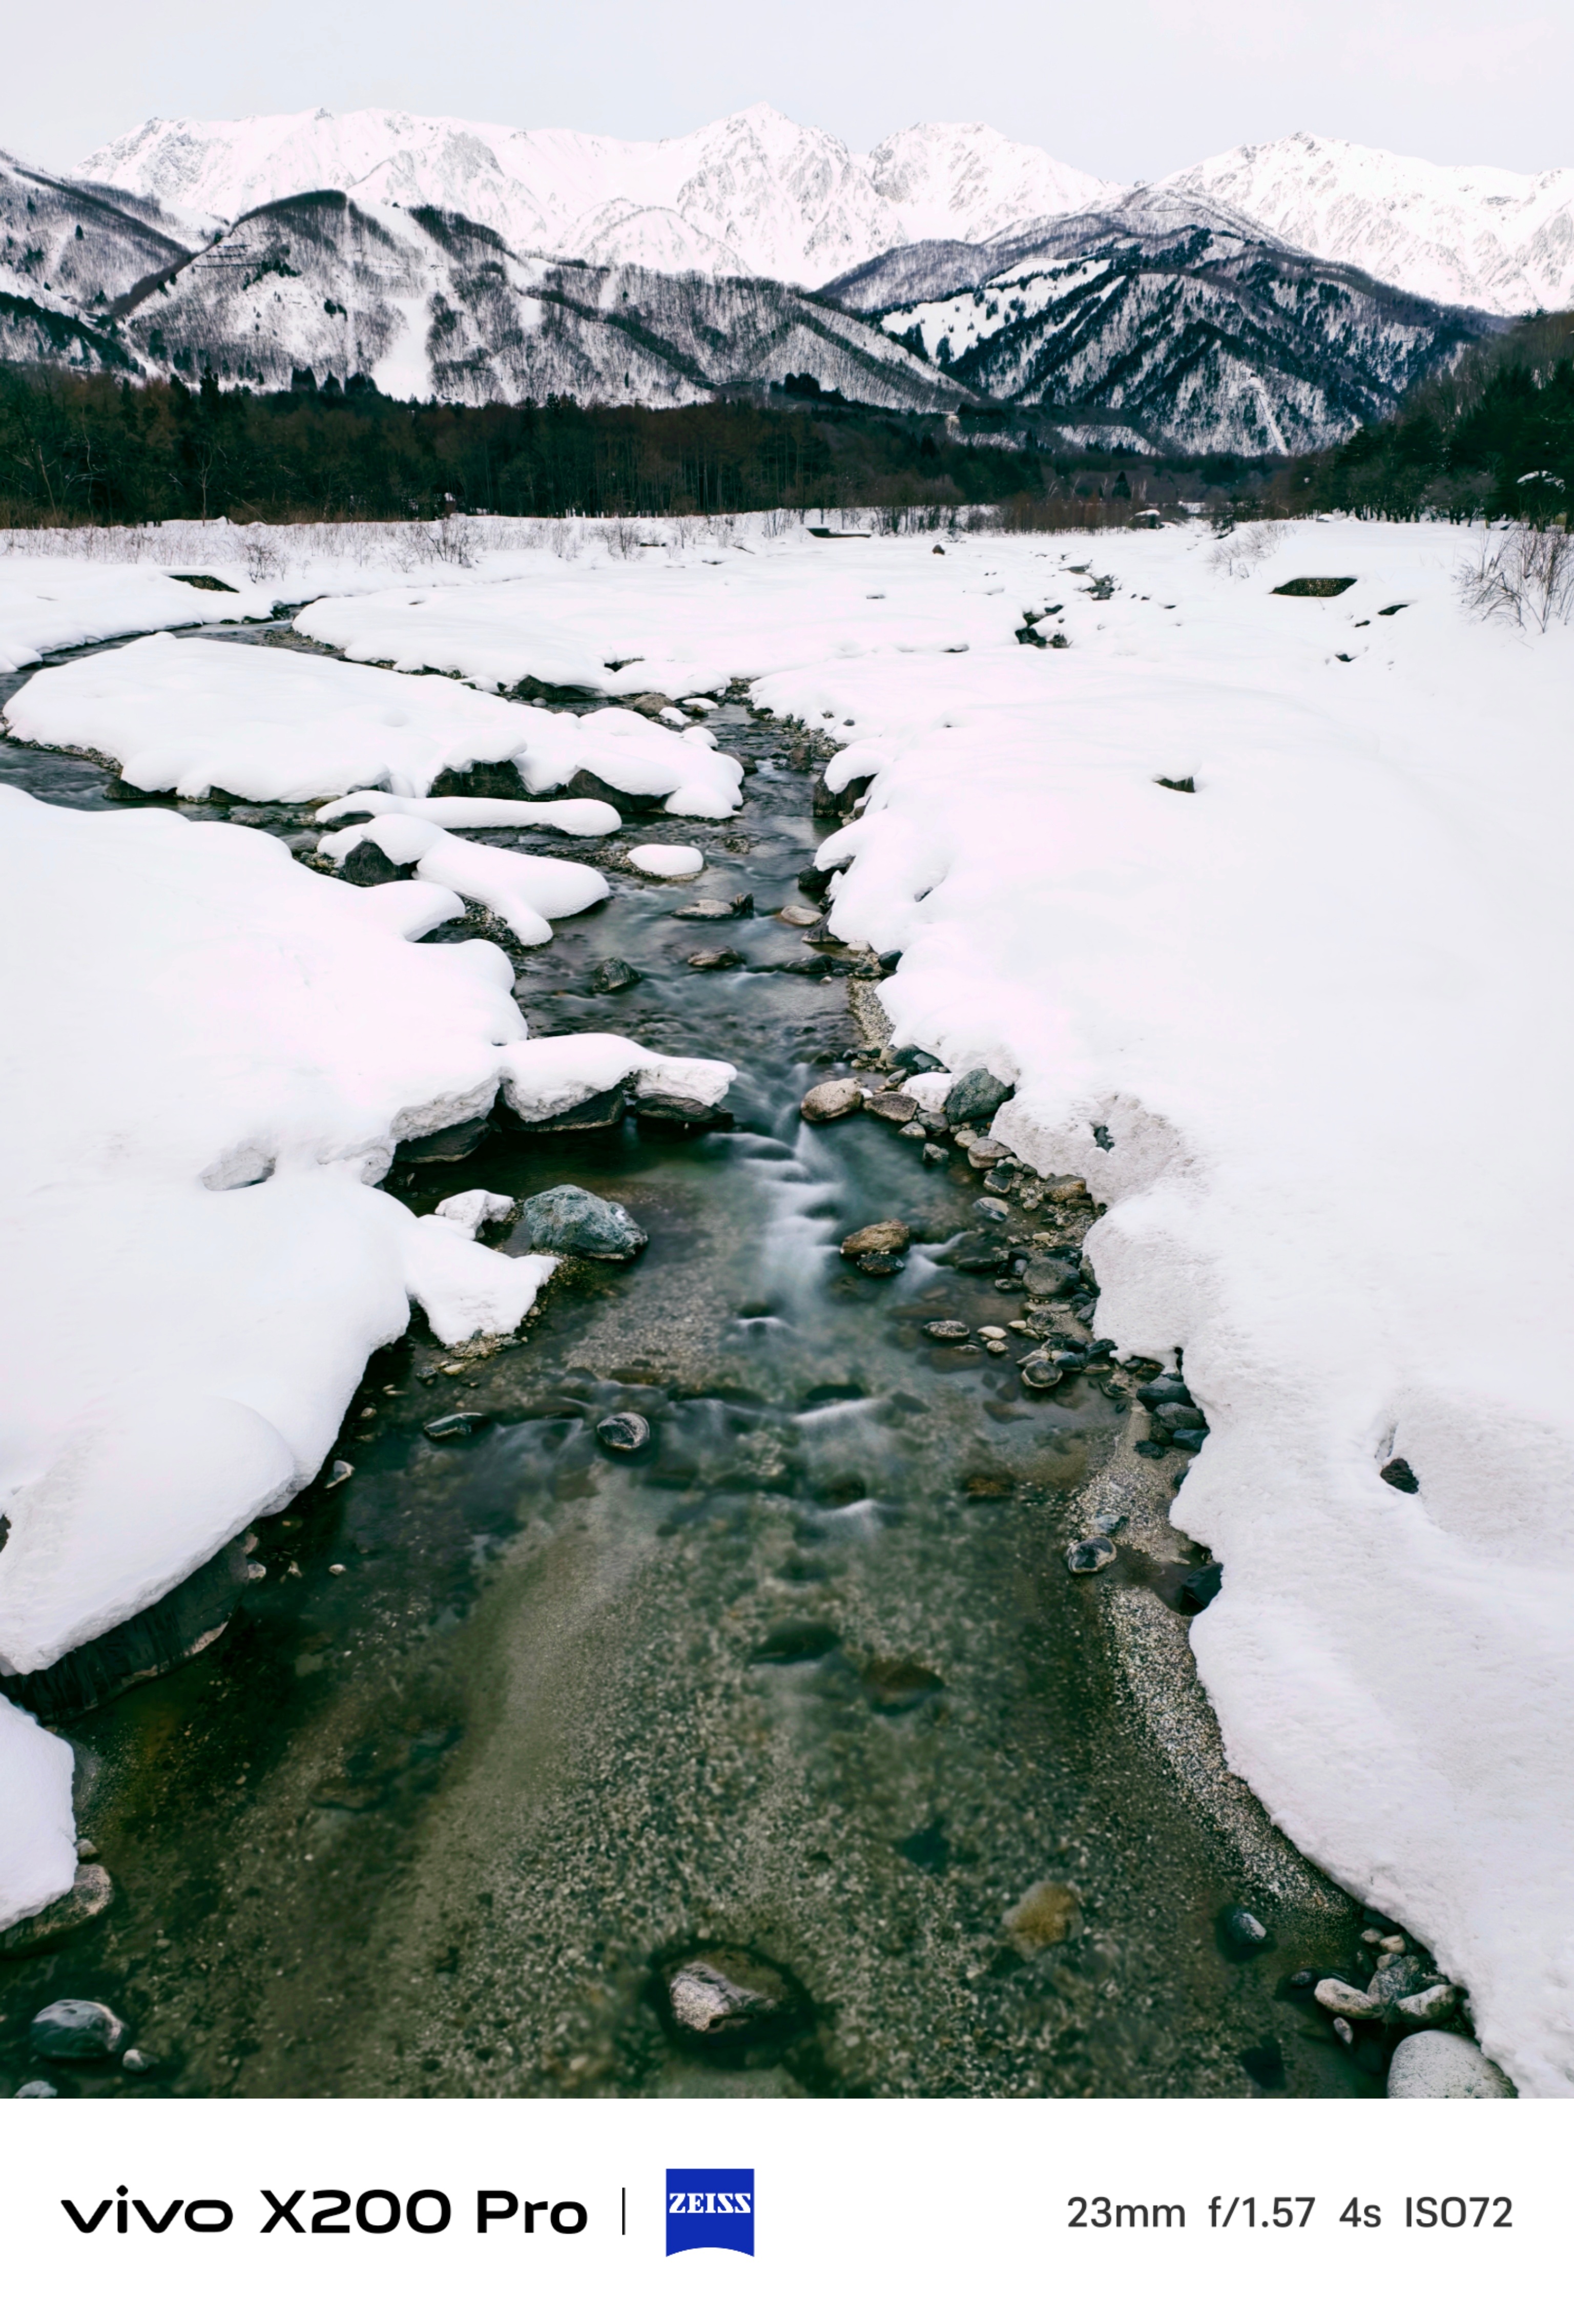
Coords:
pixel 914 1129
pixel 1040 1373
pixel 1434 2065
pixel 1428 2007
pixel 946 1327
pixel 1244 1928
pixel 569 1220
pixel 452 1424
pixel 1090 1556
pixel 1397 1975
pixel 725 958
pixel 984 1153
pixel 705 907
pixel 339 1474
pixel 76 2029
pixel 884 1235
pixel 37 2090
pixel 933 1154
pixel 1044 1915
pixel 339 1569
pixel 988 1208
pixel 1348 2000
pixel 624 1431
pixel 1001 1178
pixel 136 2061
pixel 831 1101
pixel 974 1094
pixel 613 975
pixel 725 1994
pixel 891 1105
pixel 977 1253
pixel 800 915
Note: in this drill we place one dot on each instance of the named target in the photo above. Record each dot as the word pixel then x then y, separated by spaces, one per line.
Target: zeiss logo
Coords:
pixel 710 2207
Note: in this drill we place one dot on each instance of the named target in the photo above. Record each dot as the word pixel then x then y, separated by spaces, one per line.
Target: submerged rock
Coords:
pixel 582 1225
pixel 946 1327
pixel 1044 1915
pixel 613 975
pixel 720 1994
pixel 76 2029
pixel 623 1431
pixel 1435 2065
pixel 1090 1556
pixel 725 958
pixel 454 1424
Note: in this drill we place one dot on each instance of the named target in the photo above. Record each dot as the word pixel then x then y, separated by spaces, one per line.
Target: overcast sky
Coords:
pixel 1128 92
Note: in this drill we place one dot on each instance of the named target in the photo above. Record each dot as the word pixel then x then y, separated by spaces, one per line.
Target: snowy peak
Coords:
pixel 1466 236
pixel 755 194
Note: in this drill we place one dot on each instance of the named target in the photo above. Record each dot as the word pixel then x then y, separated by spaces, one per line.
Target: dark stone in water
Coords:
pixel 623 1431
pixel 1168 1389
pixel 604 1111
pixel 814 882
pixel 916 1061
pixel 495 778
pixel 973 1095
pixel 366 866
pixel 880 1263
pixel 1038 1372
pixel 76 2029
pixel 613 975
pixel 725 958
pixel 796 1641
pixel 454 1144
pixel 1241 1934
pixel 581 1225
pixel 454 1424
pixel 946 1327
pixel 978 1254
pixel 1090 1556
pixel 1201 1588
pixel 180 1624
pixel 1401 1476
pixel 895 1684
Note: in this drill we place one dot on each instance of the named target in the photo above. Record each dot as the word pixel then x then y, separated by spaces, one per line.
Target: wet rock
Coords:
pixel 831 1101
pixel 136 2061
pixel 1348 2000
pixel 582 1225
pixel 987 1207
pixel 800 915
pixel 973 1095
pixel 1401 1476
pixel 76 2029
pixel 454 1424
pixel 916 1061
pixel 454 1144
pixel 366 866
pixel 880 1262
pixel 884 1235
pixel 37 2090
pixel 977 1253
pixel 933 1154
pixel 725 958
pixel 1090 1556
pixel 1434 2065
pixel 91 1894
pixel 1001 1178
pixel 1241 1932
pixel 946 1327
pixel 613 975
pixel 1042 1373
pixel 987 1153
pixel 893 1684
pixel 603 1110
pixel 1398 1976
pixel 339 1474
pixel 682 1112
pixel 1200 1588
pixel 913 1129
pixel 1045 1278
pixel 891 1105
pixel 1044 1915
pixel 713 908
pixel 1169 1387
pixel 796 1642
pixel 723 1994
pixel 1430 2007
pixel 623 1431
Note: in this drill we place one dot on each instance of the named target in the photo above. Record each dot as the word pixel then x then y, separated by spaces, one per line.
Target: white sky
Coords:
pixel 1131 92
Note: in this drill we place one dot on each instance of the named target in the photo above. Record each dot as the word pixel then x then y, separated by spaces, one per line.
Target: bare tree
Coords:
pixel 1525 576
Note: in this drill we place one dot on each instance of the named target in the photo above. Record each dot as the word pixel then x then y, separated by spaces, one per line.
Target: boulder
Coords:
pixel 973 1095
pixel 886 1235
pixel 90 1893
pixel 76 2029
pixel 1434 2065
pixel 891 1105
pixel 831 1101
pixel 581 1225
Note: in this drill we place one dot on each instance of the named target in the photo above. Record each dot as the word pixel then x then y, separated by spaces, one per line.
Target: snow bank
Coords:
pixel 198 1262
pixel 1305 1003
pixel 38 1831
pixel 48 603
pixel 543 1078
pixel 580 818
pixel 527 891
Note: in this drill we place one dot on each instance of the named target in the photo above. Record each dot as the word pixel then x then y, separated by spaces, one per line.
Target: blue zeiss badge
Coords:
pixel 710 2207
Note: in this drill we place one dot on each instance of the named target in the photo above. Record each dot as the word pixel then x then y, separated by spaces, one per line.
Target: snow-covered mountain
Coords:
pixel 753 195
pixel 1167 322
pixel 1471 237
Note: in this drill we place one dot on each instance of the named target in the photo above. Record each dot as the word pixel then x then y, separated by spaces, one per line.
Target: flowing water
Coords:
pixel 805 1684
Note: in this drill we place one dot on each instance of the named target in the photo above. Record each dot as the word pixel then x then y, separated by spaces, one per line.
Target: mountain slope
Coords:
pixel 69 255
pixel 1475 237
pixel 1168 322
pixel 429 305
pixel 754 194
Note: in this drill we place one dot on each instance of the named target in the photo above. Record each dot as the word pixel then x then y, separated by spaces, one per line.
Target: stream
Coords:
pixel 514 1726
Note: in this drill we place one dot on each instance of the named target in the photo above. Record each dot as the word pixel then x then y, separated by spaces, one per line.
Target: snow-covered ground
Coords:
pixel 50 602
pixel 1307 1005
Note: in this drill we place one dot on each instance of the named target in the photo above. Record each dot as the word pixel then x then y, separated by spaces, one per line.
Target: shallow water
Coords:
pixel 807 1679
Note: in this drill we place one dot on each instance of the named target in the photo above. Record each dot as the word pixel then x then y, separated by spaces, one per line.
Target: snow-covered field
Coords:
pixel 1307 1005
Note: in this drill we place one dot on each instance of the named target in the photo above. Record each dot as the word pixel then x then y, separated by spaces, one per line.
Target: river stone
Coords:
pixel 946 1327
pixel 973 1095
pixel 37 2090
pixel 987 1207
pixel 985 1153
pixel 1090 1556
pixel 1044 1915
pixel 725 958
pixel 1434 2065
pixel 76 2029
pixel 454 1424
pixel 1428 2007
pixel 90 1893
pixel 1401 1476
pixel 582 1225
pixel 705 907
pixel 880 1262
pixel 800 915
pixel 977 1253
pixel 1244 1930
pixel 613 975
pixel 366 866
pixel 1039 1372
pixel 1168 1389
pixel 724 1993
pixel 933 1154
pixel 1202 1586
pixel 1346 2000
pixel 891 1105
pixel 884 1235
pixel 831 1101
pixel 1397 1975
pixel 624 1431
